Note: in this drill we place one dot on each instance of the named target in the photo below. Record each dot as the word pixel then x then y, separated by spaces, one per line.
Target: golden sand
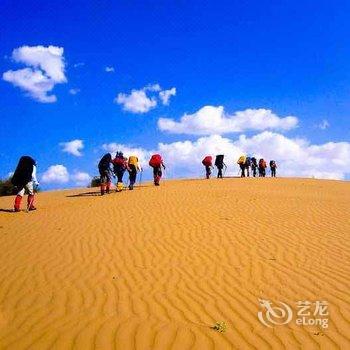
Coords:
pixel 157 267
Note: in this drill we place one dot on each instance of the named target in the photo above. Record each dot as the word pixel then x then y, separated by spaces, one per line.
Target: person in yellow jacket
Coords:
pixel 133 167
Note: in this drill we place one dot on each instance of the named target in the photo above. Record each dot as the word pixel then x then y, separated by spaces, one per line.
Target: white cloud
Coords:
pixel 136 102
pixel 73 147
pixel 81 178
pixel 152 87
pixel 128 151
pixel 295 157
pixel 55 174
pixel 79 64
pixel 74 91
pixel 109 69
pixel 166 94
pixel 213 120
pixel 45 69
pixel 145 99
pixel 324 125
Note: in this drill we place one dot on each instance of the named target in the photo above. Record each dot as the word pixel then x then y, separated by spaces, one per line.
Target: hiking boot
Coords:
pixel 17 206
pixel 131 187
pixel 32 208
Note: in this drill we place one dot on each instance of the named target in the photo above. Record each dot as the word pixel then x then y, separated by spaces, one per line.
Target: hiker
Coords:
pixel 247 165
pixel 273 167
pixel 241 162
pixel 262 167
pixel 120 164
pixel 104 168
pixel 219 163
pixel 24 178
pixel 156 162
pixel 254 166
pixel 133 168
pixel 208 163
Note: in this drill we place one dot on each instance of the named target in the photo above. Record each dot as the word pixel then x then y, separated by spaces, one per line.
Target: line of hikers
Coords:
pixel 109 167
pixel 245 163
pixel 24 177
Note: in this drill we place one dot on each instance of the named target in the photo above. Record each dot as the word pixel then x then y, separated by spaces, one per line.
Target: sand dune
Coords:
pixel 157 267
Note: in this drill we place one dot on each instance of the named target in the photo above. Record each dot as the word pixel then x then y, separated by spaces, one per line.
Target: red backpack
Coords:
pixel 155 161
pixel 262 163
pixel 208 161
pixel 119 161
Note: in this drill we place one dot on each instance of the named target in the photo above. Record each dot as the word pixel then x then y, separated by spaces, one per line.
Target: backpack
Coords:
pixel 104 162
pixel 272 164
pixel 119 161
pixel 262 163
pixel 241 160
pixel 248 161
pixel 133 160
pixel 219 160
pixel 155 161
pixel 23 172
pixel 253 160
pixel 207 161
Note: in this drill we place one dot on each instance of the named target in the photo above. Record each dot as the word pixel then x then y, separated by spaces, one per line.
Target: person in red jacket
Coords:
pixel 24 178
pixel 156 162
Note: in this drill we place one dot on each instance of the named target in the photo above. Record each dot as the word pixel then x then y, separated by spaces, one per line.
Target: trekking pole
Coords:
pixel 140 179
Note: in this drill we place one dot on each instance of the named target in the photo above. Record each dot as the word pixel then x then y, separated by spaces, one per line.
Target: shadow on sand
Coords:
pixel 7 210
pixel 85 194
pixel 97 193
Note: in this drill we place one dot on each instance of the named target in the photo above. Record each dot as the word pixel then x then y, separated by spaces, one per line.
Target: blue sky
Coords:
pixel 290 57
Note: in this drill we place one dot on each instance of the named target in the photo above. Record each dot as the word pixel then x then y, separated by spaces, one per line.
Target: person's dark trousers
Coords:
pixel 254 171
pixel 120 174
pixel 273 172
pixel 207 172
pixel 219 173
pixel 105 181
pixel 247 167
pixel 261 171
pixel 242 166
pixel 132 175
pixel 157 174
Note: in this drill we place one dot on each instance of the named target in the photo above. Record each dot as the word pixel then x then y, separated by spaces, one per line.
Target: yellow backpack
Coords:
pixel 133 160
pixel 241 160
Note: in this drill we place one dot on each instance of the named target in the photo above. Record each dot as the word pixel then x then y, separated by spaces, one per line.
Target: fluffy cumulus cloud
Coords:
pixel 73 147
pixel 55 174
pixel 80 178
pixel 295 157
pixel 128 151
pixel 213 120
pixel 166 94
pixel 58 174
pixel 45 69
pixel 145 99
pixel 136 102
